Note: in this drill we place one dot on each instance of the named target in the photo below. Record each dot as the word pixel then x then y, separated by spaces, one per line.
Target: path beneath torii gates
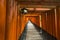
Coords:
pixel 32 32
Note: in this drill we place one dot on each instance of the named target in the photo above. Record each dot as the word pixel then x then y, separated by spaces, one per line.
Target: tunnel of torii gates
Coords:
pixel 12 22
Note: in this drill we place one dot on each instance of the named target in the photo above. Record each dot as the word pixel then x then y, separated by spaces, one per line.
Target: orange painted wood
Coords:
pixel 58 22
pixel 11 21
pixel 23 19
pixel 44 24
pixel 33 19
pixel 2 19
pixel 48 22
pixel 51 24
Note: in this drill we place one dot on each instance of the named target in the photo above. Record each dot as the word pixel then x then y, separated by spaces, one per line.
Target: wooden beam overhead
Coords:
pixel 40 2
pixel 36 6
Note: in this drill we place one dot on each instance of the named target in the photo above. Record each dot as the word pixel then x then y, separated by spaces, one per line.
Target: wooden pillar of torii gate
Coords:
pixel 11 20
pixel 2 19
